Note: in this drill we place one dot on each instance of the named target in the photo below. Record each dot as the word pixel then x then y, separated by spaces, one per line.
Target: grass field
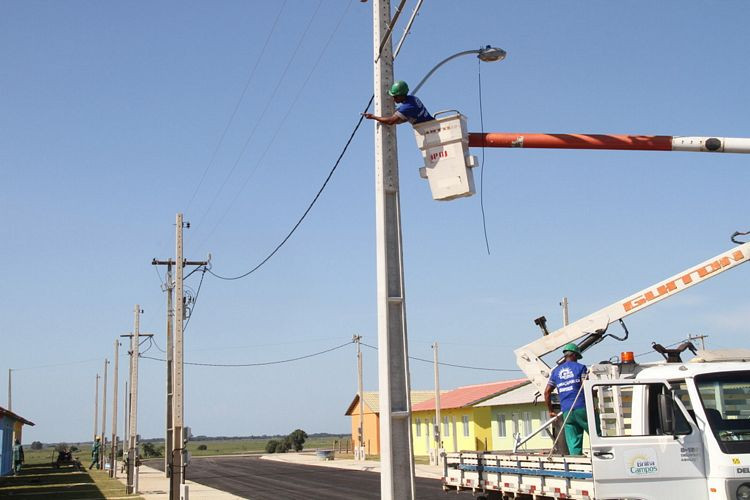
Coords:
pixel 42 480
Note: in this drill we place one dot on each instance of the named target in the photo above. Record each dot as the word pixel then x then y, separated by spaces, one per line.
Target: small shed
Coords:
pixel 11 427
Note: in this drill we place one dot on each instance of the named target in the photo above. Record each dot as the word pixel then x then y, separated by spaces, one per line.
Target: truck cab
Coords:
pixel 671 429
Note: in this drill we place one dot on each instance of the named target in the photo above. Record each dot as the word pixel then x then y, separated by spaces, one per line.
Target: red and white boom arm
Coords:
pixel 529 356
pixel 611 142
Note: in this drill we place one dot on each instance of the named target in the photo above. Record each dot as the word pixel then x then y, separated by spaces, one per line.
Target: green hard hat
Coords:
pixel 399 88
pixel 572 348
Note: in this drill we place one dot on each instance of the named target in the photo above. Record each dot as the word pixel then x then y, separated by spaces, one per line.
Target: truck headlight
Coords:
pixel 743 492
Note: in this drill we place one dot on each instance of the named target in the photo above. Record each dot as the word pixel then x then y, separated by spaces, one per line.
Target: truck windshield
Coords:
pixel 726 400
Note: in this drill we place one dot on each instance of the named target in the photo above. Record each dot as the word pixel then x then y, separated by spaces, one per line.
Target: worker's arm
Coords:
pixel 394 119
pixel 548 400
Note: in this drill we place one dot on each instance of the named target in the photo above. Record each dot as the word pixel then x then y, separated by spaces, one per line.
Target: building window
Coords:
pixel 501 432
pixel 419 427
pixel 543 417
pixel 465 420
pixel 527 422
pixel 446 427
pixel 514 421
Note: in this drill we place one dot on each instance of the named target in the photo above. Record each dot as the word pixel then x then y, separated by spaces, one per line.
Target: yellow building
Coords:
pixel 465 425
pixel 371 417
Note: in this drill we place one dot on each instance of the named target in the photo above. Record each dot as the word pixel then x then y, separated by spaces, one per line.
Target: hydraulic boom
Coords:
pixel 594 326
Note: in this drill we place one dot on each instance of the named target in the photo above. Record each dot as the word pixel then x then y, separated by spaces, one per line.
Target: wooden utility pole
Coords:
pixel 436 429
pixel 10 389
pixel 396 455
pixel 104 417
pixel 113 455
pixel 175 428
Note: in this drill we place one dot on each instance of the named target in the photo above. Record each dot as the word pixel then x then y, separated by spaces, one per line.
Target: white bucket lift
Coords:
pixel 444 143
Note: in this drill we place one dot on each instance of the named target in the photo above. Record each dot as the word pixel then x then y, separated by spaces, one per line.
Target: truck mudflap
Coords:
pixel 520 474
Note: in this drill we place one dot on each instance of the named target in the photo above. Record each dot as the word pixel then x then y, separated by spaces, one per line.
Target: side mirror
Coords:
pixel 666 413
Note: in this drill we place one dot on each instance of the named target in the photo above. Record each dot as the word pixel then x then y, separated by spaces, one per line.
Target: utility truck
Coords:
pixel 667 430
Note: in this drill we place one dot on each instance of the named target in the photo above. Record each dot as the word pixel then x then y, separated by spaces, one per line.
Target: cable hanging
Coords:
pixel 454 365
pixel 481 167
pixel 266 363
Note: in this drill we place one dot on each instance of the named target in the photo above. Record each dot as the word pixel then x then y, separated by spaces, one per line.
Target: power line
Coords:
pixel 237 105
pixel 269 102
pixel 270 143
pixel 454 365
pixel 309 207
pixel 195 299
pixel 266 363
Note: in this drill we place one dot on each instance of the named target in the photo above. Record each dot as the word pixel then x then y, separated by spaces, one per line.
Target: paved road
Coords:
pixel 257 479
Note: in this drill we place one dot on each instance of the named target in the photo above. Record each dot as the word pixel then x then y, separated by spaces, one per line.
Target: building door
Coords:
pixel 455 435
pixel 631 456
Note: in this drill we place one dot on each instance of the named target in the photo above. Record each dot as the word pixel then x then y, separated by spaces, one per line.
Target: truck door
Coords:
pixel 642 443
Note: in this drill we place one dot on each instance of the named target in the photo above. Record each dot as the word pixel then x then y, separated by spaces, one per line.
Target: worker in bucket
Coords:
pixel 409 108
pixel 95 453
pixel 567 378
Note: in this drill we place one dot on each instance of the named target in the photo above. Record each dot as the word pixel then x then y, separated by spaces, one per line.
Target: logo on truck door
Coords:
pixel 642 463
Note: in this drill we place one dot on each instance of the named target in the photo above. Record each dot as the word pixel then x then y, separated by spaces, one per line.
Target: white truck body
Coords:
pixel 657 430
pixel 705 456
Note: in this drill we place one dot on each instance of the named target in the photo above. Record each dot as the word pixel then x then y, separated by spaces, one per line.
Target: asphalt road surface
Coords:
pixel 257 479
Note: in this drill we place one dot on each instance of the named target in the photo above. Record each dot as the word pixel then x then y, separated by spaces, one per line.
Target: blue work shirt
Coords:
pixel 566 377
pixel 413 111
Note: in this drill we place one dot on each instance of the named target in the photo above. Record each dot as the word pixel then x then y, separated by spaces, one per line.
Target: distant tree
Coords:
pixel 271 446
pixel 284 445
pixel 202 447
pixel 36 445
pixel 74 448
pixel 297 439
pixel 149 450
pixel 119 453
pixel 61 447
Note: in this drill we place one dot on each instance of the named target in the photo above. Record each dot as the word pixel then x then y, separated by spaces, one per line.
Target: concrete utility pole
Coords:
pixel 564 305
pixel 113 456
pixel 132 484
pixel 359 452
pixel 699 337
pixel 175 449
pixel 104 417
pixel 436 460
pixel 396 457
pixel 96 408
pixel 10 389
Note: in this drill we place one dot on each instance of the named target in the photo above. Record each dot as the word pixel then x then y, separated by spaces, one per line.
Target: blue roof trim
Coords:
pixel 534 472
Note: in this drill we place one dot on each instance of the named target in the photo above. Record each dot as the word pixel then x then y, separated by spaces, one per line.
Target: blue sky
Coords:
pixel 111 113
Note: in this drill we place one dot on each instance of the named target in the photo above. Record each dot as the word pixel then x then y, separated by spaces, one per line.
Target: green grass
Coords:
pixel 43 481
pixel 240 446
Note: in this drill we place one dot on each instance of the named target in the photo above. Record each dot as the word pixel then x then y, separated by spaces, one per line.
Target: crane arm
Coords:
pixel 612 142
pixel 595 325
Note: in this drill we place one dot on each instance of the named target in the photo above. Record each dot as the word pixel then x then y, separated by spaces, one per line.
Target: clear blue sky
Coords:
pixel 111 113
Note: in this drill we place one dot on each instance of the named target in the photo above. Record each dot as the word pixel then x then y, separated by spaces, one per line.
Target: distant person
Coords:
pixel 410 108
pixel 95 453
pixel 567 378
pixel 18 457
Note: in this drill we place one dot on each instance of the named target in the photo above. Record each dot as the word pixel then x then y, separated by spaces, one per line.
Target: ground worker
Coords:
pixel 410 108
pixel 95 453
pixel 18 457
pixel 567 378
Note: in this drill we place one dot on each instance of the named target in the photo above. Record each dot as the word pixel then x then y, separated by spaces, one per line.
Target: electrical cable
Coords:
pixel 161 280
pixel 158 348
pixel 267 363
pixel 195 299
pixel 280 125
pixel 309 207
pixel 452 364
pixel 269 102
pixel 481 167
pixel 237 105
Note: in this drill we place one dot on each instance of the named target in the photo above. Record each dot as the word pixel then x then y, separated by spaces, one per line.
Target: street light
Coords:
pixel 486 54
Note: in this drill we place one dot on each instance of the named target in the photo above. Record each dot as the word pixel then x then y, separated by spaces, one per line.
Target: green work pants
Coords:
pixel 575 424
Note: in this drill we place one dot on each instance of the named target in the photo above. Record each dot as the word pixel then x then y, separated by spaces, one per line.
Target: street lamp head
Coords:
pixel 491 54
